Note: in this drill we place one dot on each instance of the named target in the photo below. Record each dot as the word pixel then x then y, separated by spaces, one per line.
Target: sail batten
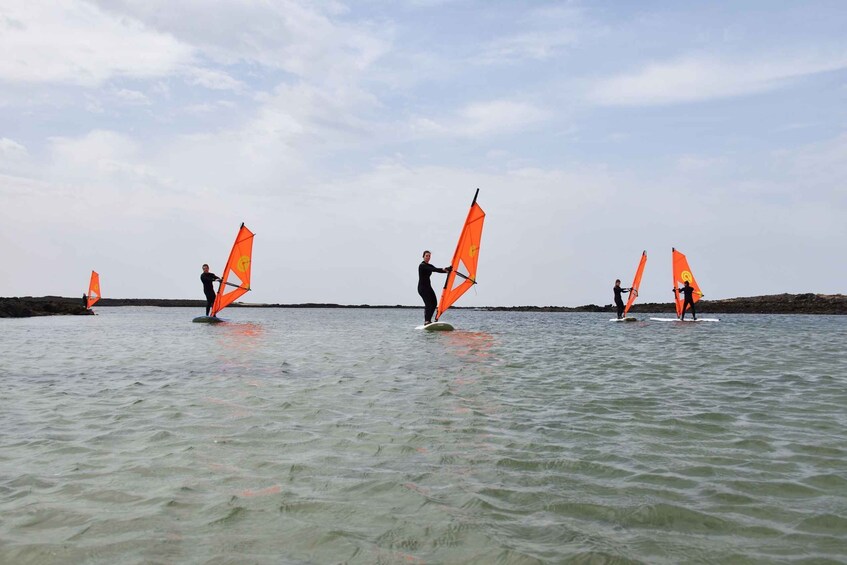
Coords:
pixel 636 282
pixel 465 260
pixel 235 281
pixel 681 274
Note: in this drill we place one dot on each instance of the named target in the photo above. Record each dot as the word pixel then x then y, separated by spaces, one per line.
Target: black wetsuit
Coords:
pixel 688 291
pixel 207 279
pixel 85 301
pixel 425 270
pixel 618 300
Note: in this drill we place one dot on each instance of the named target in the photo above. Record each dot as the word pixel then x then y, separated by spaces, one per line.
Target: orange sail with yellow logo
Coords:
pixel 236 278
pixel 463 274
pixel 93 289
pixel 636 282
pixel 681 274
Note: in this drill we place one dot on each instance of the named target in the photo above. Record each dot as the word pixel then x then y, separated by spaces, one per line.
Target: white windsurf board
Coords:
pixel 436 327
pixel 627 319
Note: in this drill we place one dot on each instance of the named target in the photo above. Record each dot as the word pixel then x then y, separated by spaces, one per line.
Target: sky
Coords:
pixel 137 135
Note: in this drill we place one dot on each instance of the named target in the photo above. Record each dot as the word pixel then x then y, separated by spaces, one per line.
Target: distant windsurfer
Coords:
pixel 425 270
pixel 207 279
pixel 688 291
pixel 85 301
pixel 618 300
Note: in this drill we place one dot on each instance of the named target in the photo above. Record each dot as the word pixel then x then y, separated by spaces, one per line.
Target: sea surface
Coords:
pixel 300 436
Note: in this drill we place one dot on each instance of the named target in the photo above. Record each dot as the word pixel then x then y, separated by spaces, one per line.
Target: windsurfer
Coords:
pixel 688 291
pixel 618 300
pixel 207 279
pixel 425 270
pixel 85 301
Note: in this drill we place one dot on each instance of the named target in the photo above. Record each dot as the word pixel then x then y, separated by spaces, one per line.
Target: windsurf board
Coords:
pixel 436 327
pixel 208 320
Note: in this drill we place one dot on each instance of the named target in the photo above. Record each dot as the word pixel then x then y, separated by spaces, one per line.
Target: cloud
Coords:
pixel 482 119
pixel 11 150
pixel 549 30
pixel 14 157
pixel 530 45
pixel 209 107
pixel 132 97
pixel 214 80
pixel 302 38
pixel 696 163
pixel 696 78
pixel 76 43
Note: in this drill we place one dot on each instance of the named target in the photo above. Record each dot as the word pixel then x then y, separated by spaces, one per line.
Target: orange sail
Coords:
pixel 636 282
pixel 93 289
pixel 463 275
pixel 682 273
pixel 236 278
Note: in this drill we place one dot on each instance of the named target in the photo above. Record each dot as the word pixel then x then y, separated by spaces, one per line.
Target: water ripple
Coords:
pixel 138 437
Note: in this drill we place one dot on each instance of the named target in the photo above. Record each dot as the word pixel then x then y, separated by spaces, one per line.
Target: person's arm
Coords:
pixel 434 269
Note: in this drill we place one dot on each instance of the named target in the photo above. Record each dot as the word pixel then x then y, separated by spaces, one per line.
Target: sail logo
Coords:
pixel 473 250
pixel 686 276
pixel 243 263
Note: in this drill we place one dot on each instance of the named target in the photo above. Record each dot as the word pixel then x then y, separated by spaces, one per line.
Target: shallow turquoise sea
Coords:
pixel 346 436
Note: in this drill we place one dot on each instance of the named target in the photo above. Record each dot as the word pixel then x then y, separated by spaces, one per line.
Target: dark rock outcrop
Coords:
pixel 41 306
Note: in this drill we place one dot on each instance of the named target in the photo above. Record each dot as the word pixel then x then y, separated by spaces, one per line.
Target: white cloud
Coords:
pixel 11 150
pixel 483 118
pixel 696 78
pixel 214 80
pixel 695 163
pixel 530 45
pixel 209 107
pixel 74 42
pixel 542 34
pixel 132 97
pixel 13 155
pixel 302 38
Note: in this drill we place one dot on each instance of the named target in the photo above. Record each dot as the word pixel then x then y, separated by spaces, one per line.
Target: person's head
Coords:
pixel 686 283
pixel 205 268
pixel 427 256
pixel 617 282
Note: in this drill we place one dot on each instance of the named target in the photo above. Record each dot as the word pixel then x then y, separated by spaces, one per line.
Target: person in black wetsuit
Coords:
pixel 85 301
pixel 688 291
pixel 425 270
pixel 207 279
pixel 618 300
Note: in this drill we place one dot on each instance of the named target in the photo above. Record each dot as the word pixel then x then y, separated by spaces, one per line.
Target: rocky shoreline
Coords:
pixel 808 303
pixel 29 306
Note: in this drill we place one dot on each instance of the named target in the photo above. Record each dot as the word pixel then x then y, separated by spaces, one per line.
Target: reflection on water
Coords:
pixel 245 336
pixel 469 346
